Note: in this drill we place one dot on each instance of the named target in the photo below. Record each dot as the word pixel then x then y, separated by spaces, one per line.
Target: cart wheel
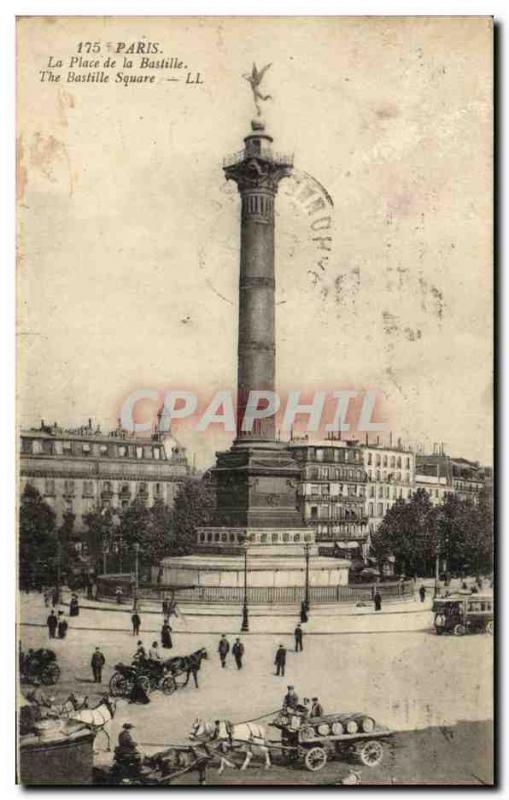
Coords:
pixel 180 679
pixel 459 630
pixel 490 627
pixel 50 674
pixel 168 686
pixel 370 753
pixel 315 759
pixel 119 685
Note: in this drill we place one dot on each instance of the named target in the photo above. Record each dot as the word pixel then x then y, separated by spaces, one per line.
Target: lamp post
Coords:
pixel 306 591
pixel 245 611
pixel 136 574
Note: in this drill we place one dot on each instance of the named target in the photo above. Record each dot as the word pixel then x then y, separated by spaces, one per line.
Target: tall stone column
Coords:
pixel 257 479
pixel 257 172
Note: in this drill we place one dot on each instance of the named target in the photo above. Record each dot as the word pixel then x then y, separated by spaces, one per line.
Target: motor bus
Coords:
pixel 463 614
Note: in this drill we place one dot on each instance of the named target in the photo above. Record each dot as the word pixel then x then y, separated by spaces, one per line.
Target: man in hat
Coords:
pixel 127 755
pixel 298 638
pixel 136 622
pixel 141 654
pixel 291 698
pixel 223 649
pixel 238 652
pixel 52 623
pixel 316 708
pixel 97 663
pixel 280 660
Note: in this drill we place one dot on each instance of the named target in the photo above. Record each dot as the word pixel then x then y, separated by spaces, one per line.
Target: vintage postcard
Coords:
pixel 255 414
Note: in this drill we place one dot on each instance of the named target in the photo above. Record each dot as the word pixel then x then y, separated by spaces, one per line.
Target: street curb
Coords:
pixel 222 630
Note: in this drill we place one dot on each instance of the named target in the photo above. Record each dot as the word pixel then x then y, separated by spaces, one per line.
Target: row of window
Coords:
pixel 265 538
pixel 338 489
pixel 389 492
pixel 84 449
pixel 330 473
pixel 332 454
pixel 385 461
pixel 398 477
pixel 335 512
pixel 70 488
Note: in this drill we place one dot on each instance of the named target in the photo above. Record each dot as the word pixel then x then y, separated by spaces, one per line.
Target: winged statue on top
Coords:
pixel 254 79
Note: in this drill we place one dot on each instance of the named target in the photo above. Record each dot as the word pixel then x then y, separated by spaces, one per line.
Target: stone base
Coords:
pixel 224 571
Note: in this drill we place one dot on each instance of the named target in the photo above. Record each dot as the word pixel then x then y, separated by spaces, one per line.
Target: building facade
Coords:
pixel 390 473
pixel 332 493
pixel 81 470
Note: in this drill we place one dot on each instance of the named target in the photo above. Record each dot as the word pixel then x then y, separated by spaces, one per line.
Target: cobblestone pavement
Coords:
pixel 407 680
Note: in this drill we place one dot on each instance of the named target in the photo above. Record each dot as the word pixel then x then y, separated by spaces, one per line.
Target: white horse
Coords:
pixel 247 737
pixel 96 718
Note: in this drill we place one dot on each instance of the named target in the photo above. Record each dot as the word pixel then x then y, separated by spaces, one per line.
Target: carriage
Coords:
pixel 314 741
pixel 41 665
pixel 167 675
pixel 126 676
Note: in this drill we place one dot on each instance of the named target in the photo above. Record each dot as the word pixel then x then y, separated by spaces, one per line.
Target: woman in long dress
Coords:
pixel 166 635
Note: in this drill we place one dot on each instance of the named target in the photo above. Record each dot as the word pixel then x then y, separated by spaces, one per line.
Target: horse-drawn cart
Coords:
pixel 168 676
pixel 315 741
pixel 40 666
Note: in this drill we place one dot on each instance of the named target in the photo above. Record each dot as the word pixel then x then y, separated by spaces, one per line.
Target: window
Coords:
pixel 263 538
pixel 67 448
pixel 139 452
pixel 377 477
pixel 408 463
pixel 370 509
pixel 296 538
pixel 274 537
pixel 319 455
pixel 122 450
pixel 380 509
pixel 157 453
pixel 385 461
pixel 69 488
pixel 106 486
pixel 157 490
pixel 314 512
pixel 86 449
pixel 393 461
pixel 47 447
pixel 369 458
pixel 103 449
pixel 88 488
pixel 380 491
pixel 371 491
pixel 143 490
pixel 49 487
pixel 26 445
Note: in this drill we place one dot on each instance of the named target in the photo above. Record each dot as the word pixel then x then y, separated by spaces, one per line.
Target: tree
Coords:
pixel 194 506
pixel 409 533
pixel 37 541
pixel 100 526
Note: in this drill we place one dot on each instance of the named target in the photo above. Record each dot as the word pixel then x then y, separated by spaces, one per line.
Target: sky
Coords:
pixel 128 233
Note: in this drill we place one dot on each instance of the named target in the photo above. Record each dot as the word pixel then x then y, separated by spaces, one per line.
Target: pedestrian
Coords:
pixel 238 652
pixel 304 709
pixel 153 653
pixel 166 607
pixel 291 698
pixel 166 635
pixel 377 600
pixel 55 597
pixel 141 654
pixel 422 593
pixel 138 693
pixel 74 606
pixel 280 660
pixel 52 623
pixel 223 649
pixel 136 622
pixel 118 595
pixel 97 663
pixel 316 708
pixel 303 612
pixel 298 638
pixel 62 625
pixel 47 598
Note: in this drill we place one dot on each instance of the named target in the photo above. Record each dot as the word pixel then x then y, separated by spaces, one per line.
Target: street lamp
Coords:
pixel 245 611
pixel 306 591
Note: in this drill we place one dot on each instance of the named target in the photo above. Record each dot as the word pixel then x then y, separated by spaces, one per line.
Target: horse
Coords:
pixel 186 664
pixel 248 737
pixel 73 703
pixel 97 718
